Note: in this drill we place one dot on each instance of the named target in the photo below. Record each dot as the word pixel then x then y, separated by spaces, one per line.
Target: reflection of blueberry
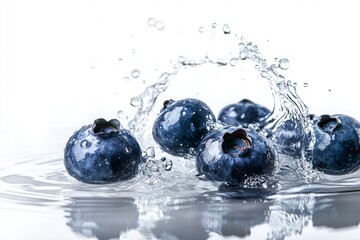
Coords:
pixel 230 154
pixel 102 153
pixel 337 210
pixel 102 218
pixel 337 146
pixel 181 125
pixel 203 215
pixel 243 113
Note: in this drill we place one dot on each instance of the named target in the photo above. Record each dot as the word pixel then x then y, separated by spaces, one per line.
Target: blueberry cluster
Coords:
pixel 228 150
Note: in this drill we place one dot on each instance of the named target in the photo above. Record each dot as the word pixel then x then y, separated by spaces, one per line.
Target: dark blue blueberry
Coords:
pixel 181 125
pixel 337 144
pixel 244 113
pixel 231 154
pixel 289 136
pixel 102 153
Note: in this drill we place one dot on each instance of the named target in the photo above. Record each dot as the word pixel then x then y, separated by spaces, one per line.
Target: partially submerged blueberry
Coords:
pixel 102 153
pixel 244 113
pixel 337 144
pixel 231 154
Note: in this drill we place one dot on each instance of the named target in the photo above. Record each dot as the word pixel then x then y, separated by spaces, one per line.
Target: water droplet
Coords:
pixel 135 101
pixel 264 74
pixel 233 62
pixel 135 73
pixel 243 55
pixel 93 64
pixel 85 144
pixel 159 25
pixel 306 84
pixel 214 25
pixel 150 152
pixel 201 29
pixel 226 29
pixel 151 22
pixel 294 84
pixel 168 165
pixel 284 64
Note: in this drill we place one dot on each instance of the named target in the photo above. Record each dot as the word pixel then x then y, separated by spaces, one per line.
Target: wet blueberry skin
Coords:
pixel 230 154
pixel 181 125
pixel 243 113
pixel 102 153
pixel 337 144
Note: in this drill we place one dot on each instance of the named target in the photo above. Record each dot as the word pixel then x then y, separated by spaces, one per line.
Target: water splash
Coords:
pixel 288 126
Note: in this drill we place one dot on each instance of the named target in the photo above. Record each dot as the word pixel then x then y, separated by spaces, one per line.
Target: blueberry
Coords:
pixel 230 154
pixel 244 113
pixel 181 125
pixel 289 136
pixel 337 147
pixel 102 153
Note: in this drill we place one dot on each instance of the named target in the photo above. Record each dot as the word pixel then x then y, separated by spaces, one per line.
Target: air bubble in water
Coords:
pixel 243 55
pixel 214 25
pixel 126 78
pixel 168 165
pixel 150 152
pixel 306 84
pixel 226 29
pixel 284 64
pixel 151 21
pixel 135 101
pixel 201 29
pixel 135 73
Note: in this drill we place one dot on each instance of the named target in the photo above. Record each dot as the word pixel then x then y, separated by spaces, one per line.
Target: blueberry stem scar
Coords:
pixel 102 126
pixel 236 143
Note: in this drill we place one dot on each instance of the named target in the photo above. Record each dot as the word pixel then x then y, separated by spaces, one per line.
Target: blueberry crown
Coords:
pixel 328 124
pixel 102 126
pixel 236 143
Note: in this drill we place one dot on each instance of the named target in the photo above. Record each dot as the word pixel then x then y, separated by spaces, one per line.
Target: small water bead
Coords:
pixel 201 29
pixel 284 64
pixel 243 55
pixel 150 152
pixel 214 25
pixel 233 62
pixel 158 24
pixel 135 73
pixel 85 144
pixel 306 84
pixel 168 165
pixel 151 21
pixel 135 101
pixel 226 29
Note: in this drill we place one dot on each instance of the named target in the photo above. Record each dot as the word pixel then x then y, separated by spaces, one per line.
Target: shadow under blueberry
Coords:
pixel 101 217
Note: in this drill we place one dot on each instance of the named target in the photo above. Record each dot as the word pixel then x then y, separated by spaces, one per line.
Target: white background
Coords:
pixel 60 66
